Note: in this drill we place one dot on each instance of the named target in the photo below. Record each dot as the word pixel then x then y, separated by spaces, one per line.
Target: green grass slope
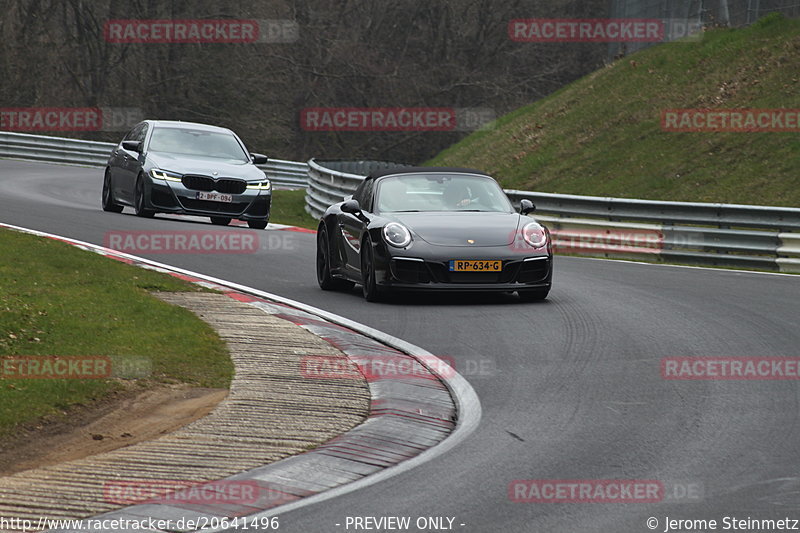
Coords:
pixel 602 134
pixel 58 300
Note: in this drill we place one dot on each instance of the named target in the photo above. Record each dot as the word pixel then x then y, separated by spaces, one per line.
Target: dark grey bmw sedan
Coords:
pixel 187 168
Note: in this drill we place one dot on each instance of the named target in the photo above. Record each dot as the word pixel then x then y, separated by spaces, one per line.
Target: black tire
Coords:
pixel 138 200
pixel 324 278
pixel 536 295
pixel 108 196
pixel 220 221
pixel 257 224
pixel 368 285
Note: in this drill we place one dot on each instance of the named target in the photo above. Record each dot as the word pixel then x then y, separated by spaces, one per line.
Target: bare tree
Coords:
pixel 350 53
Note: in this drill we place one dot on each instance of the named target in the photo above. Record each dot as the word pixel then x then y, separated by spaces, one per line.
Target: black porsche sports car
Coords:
pixel 433 229
pixel 187 168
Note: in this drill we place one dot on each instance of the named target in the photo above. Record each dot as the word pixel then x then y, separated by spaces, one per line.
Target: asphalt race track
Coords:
pixel 570 388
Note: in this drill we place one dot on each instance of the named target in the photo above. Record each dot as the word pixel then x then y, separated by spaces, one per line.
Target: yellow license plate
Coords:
pixel 465 265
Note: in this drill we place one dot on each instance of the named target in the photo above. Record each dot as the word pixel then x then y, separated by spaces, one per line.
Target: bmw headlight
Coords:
pixel 534 234
pixel 397 235
pixel 165 175
pixel 260 186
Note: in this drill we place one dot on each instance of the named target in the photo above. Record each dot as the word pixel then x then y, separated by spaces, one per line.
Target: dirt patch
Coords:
pixel 126 418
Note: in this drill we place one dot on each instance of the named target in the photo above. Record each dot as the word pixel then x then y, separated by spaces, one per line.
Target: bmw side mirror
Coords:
pixel 132 146
pixel 526 206
pixel 259 159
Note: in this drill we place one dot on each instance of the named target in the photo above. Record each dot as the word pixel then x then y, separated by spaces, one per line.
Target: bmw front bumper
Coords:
pixel 173 197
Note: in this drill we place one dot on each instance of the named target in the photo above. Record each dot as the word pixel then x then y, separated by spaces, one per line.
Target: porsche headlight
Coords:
pixel 397 235
pixel 534 234
pixel 260 186
pixel 165 175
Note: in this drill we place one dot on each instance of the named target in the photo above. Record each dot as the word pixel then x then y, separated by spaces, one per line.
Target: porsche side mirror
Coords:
pixel 132 146
pixel 259 159
pixel 351 206
pixel 526 206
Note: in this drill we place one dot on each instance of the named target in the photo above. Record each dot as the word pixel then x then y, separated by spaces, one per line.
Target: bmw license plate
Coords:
pixel 466 265
pixel 214 197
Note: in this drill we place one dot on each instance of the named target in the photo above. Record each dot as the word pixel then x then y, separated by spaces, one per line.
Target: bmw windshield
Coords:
pixel 190 142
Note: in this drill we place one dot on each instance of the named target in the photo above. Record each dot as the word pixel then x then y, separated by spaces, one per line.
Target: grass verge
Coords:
pixel 288 207
pixel 58 300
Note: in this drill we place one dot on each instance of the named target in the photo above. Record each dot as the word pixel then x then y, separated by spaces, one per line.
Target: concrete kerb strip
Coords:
pixel 411 421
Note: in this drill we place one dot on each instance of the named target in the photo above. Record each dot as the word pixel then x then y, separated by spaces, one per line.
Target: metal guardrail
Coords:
pixel 731 235
pixel 54 149
pixel 719 215
pixel 743 236
pixel 289 174
pixel 330 181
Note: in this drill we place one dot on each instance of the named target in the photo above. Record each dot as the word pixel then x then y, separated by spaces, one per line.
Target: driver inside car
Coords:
pixel 457 195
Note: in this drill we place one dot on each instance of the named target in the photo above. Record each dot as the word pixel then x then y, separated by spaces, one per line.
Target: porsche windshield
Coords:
pixel 201 143
pixel 440 192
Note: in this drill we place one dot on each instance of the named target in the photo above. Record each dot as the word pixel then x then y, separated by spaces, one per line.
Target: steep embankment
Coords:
pixel 602 135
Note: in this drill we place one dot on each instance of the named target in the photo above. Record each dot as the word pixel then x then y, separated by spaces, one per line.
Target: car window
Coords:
pixel 440 192
pixel 198 143
pixel 359 193
pixel 131 136
pixel 142 133
pixel 366 204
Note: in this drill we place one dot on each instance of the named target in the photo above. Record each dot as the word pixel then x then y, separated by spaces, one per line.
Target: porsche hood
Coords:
pixel 459 228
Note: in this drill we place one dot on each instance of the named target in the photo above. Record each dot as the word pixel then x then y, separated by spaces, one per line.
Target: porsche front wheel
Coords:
pixel 326 281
